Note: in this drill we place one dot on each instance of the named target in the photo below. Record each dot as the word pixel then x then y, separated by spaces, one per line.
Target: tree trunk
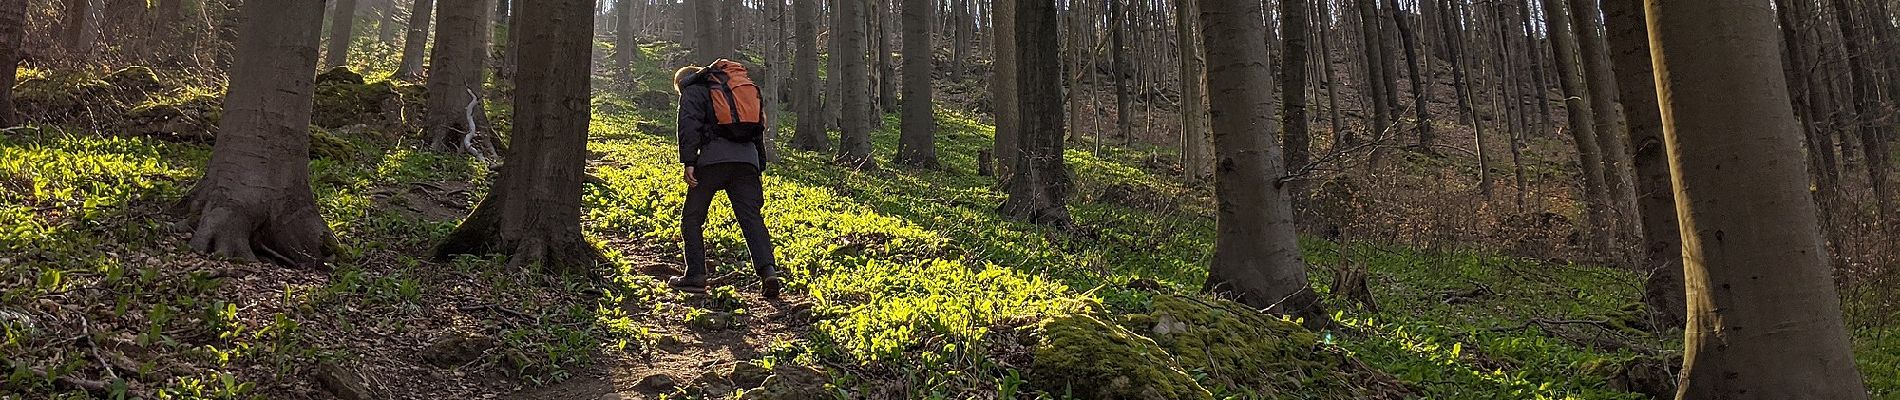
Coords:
pixel 255 199
pixel 1256 250
pixel 1421 98
pixel 1377 81
pixel 1609 123
pixel 887 33
pixel 1327 66
pixel 455 70
pixel 918 146
pixel 77 35
pixel 1008 137
pixel 1662 244
pixel 12 44
pixel 415 39
pixel 1040 185
pixel 533 214
pixel 707 29
pixel 810 134
pixel 342 31
pixel 1540 89
pixel 854 138
pixel 386 26
pixel 1577 103
pixel 626 43
pixel 961 46
pixel 505 37
pixel 1746 212
pixel 1198 144
pixel 1295 138
pixel 1118 53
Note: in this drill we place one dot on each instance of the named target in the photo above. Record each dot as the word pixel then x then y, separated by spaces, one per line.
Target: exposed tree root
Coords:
pixel 276 228
pixel 549 248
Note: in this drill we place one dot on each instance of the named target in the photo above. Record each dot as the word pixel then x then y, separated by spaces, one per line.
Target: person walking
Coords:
pixel 721 145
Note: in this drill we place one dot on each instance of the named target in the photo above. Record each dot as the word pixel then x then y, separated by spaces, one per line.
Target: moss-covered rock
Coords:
pixel 343 99
pixel 86 98
pixel 1242 350
pixel 191 117
pixel 1091 359
pixel 330 145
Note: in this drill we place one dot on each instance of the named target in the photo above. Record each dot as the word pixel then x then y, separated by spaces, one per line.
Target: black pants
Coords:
pixel 741 183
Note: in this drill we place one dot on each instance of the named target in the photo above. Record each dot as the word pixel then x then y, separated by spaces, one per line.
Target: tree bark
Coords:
pixel 1746 212
pixel 854 139
pixel 707 28
pixel 1377 81
pixel 626 43
pixel 1420 96
pixel 810 134
pixel 1198 142
pixel 1577 103
pixel 1118 55
pixel 1607 111
pixel 456 64
pixel 533 214
pixel 416 39
pixel 1662 245
pixel 1040 185
pixel 1295 138
pixel 254 201
pixel 887 33
pixel 961 46
pixel 12 45
pixel 77 35
pixel 1540 81
pixel 342 31
pixel 918 145
pixel 1256 250
pixel 1008 137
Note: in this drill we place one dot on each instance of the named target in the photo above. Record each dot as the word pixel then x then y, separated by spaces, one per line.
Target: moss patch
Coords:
pixel 1085 357
pixel 1237 349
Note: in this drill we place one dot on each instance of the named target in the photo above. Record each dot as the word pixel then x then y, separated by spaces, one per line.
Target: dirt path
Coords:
pixel 694 355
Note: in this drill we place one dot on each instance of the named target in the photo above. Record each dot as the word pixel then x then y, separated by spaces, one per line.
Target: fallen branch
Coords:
pixel 468 137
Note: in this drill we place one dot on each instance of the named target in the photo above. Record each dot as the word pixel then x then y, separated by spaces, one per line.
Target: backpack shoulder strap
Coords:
pixel 731 104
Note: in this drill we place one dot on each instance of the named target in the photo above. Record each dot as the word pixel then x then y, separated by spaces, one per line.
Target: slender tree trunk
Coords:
pixel 1420 96
pixel 342 31
pixel 626 39
pixel 12 44
pixel 386 26
pixel 854 148
pixel 961 48
pixel 1745 215
pixel 1040 185
pixel 254 201
pixel 1662 245
pixel 1295 138
pixel 1609 123
pixel 707 28
pixel 810 134
pixel 1326 35
pixel 1577 103
pixel 1377 82
pixel 1256 250
pixel 1540 81
pixel 1198 142
pixel 918 146
pixel 1118 53
pixel 1008 138
pixel 887 33
pixel 533 214
pixel 77 32
pixel 456 64
pixel 416 39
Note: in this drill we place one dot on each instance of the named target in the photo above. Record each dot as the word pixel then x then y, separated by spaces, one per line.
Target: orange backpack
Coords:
pixel 736 103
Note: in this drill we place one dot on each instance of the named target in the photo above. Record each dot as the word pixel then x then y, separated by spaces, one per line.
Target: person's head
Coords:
pixel 681 75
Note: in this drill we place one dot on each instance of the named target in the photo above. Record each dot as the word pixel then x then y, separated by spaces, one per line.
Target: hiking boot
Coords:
pixel 770 289
pixel 688 284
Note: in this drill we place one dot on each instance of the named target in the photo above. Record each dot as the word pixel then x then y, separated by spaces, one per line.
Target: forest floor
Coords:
pixel 903 284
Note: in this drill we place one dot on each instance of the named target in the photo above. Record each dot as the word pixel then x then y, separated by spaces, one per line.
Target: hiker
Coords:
pixel 722 146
